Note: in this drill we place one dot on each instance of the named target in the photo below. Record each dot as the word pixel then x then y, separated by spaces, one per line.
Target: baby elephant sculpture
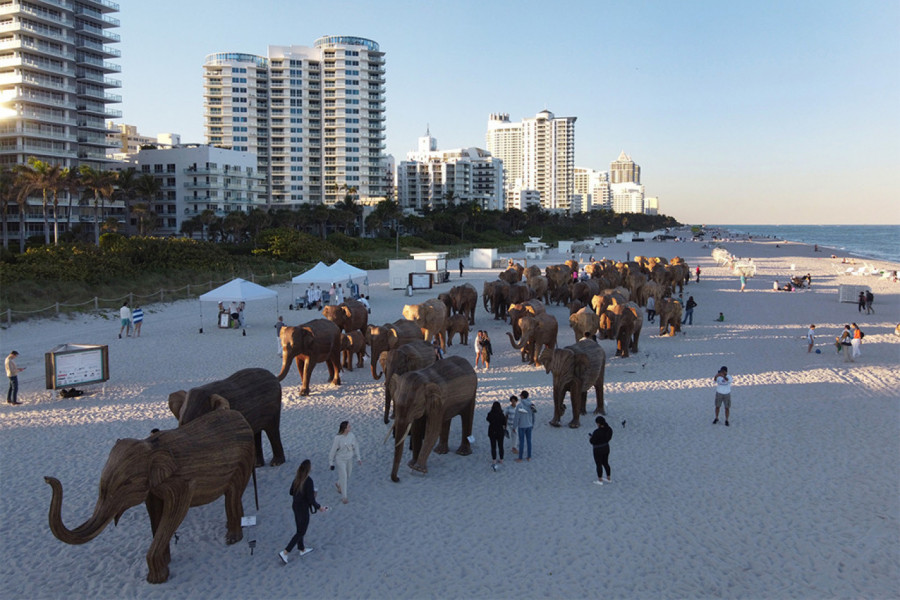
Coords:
pixel 170 471
pixel 353 343
pixel 255 393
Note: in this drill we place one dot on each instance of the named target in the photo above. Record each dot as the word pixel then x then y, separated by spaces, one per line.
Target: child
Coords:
pixel 510 412
pixel 721 318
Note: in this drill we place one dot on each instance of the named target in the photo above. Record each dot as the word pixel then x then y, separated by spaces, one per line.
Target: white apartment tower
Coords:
pixel 431 178
pixel 539 154
pixel 313 116
pixel 593 187
pixel 54 87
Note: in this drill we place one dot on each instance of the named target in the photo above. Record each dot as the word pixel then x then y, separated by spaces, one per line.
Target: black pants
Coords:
pixel 496 443
pixel 12 394
pixel 651 314
pixel 601 459
pixel 301 520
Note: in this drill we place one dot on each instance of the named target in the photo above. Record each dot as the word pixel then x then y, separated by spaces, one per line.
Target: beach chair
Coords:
pixel 850 271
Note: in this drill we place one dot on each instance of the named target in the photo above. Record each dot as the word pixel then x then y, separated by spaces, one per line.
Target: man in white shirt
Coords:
pixel 125 319
pixel 723 394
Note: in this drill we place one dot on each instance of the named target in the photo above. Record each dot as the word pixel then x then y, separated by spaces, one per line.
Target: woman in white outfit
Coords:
pixel 343 449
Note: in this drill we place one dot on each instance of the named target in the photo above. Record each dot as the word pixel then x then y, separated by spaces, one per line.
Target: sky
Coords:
pixel 769 112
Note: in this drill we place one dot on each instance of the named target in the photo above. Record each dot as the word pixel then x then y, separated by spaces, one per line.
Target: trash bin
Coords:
pixel 409 290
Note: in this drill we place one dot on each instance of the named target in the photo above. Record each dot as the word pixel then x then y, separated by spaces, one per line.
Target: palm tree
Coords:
pixel 8 193
pixel 102 184
pixel 38 175
pixel 147 188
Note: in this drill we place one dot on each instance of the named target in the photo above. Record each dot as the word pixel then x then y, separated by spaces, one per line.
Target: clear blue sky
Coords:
pixel 738 112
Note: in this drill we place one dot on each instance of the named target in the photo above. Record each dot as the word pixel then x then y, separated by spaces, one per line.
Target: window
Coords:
pixel 296 130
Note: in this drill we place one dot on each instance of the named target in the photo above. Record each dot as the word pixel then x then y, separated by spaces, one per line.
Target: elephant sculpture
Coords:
pixel 463 300
pixel 584 322
pixel 386 337
pixel 558 276
pixel 170 471
pixel 255 393
pixel 669 312
pixel 431 317
pixel 350 315
pixel 511 275
pixel 517 311
pixel 430 398
pixel 353 343
pixel 576 369
pixel 519 292
pixel 651 288
pixel 540 288
pixel 312 342
pixel 585 290
pixel 411 356
pixel 532 271
pixel 622 322
pixel 458 324
pixel 497 294
pixel 537 331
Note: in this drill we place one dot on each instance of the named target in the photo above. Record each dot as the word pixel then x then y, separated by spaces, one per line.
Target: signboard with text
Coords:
pixel 76 364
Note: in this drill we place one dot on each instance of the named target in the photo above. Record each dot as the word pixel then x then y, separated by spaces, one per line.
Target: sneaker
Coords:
pixel 716 420
pixel 283 556
pixel 726 423
pixel 599 482
pixel 607 480
pixel 306 551
pixel 345 500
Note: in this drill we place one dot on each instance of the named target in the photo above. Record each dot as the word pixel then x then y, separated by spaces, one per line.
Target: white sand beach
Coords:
pixel 798 498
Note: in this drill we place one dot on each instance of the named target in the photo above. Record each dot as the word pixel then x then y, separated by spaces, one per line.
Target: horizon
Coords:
pixel 782 109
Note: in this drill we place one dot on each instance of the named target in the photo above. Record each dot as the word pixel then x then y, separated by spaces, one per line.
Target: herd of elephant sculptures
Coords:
pixel 218 441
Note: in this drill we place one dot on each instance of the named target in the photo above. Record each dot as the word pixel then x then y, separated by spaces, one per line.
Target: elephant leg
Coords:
pixel 234 510
pixel 558 407
pixel 257 443
pixel 273 432
pixel 306 375
pixel 334 371
pixel 360 359
pixel 577 406
pixel 154 511
pixel 416 434
pixel 468 418
pixel 443 446
pixel 174 499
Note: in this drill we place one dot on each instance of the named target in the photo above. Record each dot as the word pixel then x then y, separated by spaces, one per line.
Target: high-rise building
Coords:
pixel 430 178
pixel 54 84
pixel 538 153
pixel 593 187
pixel 313 116
pixel 623 170
pixel 127 141
pixel 627 197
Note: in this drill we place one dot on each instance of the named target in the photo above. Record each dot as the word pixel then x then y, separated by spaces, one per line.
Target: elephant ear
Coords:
pixel 176 402
pixel 392 384
pixel 217 402
pixel 433 399
pixel 162 466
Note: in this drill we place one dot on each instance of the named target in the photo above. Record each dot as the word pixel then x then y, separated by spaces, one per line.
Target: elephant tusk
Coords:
pixel 406 433
pixel 390 429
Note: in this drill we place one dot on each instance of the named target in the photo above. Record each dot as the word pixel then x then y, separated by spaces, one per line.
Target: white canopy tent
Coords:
pixel 342 271
pixel 237 290
pixel 320 273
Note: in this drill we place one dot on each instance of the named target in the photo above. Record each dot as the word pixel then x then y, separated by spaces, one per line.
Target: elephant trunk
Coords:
pixel 285 365
pixel 521 343
pixel 84 532
pixel 375 374
pixel 387 400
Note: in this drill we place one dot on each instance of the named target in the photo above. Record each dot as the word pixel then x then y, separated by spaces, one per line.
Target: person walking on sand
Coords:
pixel 479 350
pixel 651 308
pixel 486 350
pixel 723 394
pixel 339 299
pixel 460 268
pixel 12 372
pixel 845 344
pixel 523 423
pixel 689 311
pixel 137 319
pixel 496 432
pixel 855 340
pixel 278 325
pixel 125 320
pixel 600 443
pixel 698 274
pixel 303 492
pixel 343 449
pixel 810 338
pixel 870 298
pixel 510 412
pixel 861 302
pixel 743 282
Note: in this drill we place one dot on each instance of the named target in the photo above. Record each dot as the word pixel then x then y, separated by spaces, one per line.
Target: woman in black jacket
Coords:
pixel 304 493
pixel 600 442
pixel 496 431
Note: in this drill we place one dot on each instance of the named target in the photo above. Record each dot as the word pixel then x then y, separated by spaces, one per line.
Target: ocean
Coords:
pixel 872 241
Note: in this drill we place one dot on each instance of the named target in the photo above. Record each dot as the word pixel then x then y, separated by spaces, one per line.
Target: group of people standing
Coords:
pixel 518 416
pixel 483 349
pixel 850 341
pixel 130 318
